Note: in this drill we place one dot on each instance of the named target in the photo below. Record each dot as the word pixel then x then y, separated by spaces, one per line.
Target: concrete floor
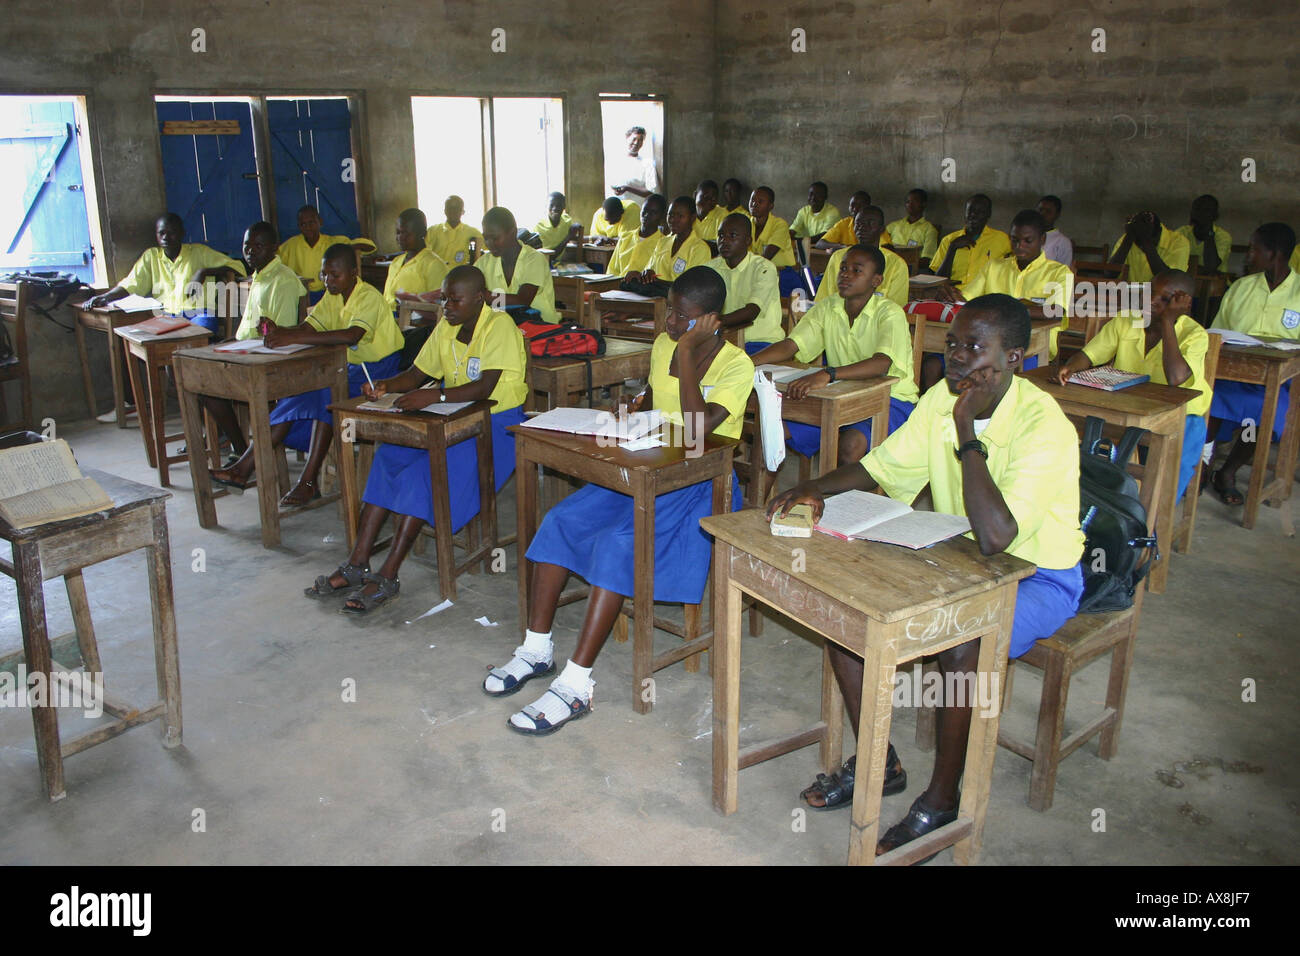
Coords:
pixel 421 766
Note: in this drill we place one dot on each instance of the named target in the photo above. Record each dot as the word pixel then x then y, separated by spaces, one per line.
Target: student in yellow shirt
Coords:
pixel 733 197
pixel 812 220
pixel 753 292
pixel 634 250
pixel 1045 287
pixel 276 297
pixel 474 353
pixel 558 229
pixel 842 234
pixel 994 447
pixel 771 232
pixel 677 252
pixel 699 382
pixel 352 313
pixel 417 268
pixel 1170 349
pixel 862 335
pixel 708 212
pixel 304 252
pixel 1266 301
pixel 1207 242
pixel 173 272
pixel 914 230
pixel 961 254
pixel 1149 248
pixel 450 240
pixel 614 217
pixel 867 225
pixel 517 276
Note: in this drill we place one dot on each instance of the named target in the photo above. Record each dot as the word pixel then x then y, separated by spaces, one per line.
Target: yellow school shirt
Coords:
pixel 992 244
pixel 422 272
pixel 881 327
pixel 496 343
pixel 842 232
pixel 165 279
pixel 631 221
pixel 305 260
pixel 776 232
pixel 1033 460
pixel 633 252
pixel 274 293
pixel 808 223
pixel 668 265
pixel 707 228
pixel 531 268
pixel 1248 306
pixel 451 243
pixel 366 309
pixel 1043 278
pixel 552 236
pixel 1222 245
pixel 921 233
pixel 753 281
pixel 728 382
pixel 1295 260
pixel 893 284
pixel 1121 342
pixel 1171 247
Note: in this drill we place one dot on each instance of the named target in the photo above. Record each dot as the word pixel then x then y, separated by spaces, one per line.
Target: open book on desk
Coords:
pixel 136 303
pixel 246 346
pixel 42 483
pixel 871 517
pixel 388 403
pixel 593 421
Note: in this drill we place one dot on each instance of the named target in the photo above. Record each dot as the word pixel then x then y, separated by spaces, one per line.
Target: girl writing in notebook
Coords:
pixel 693 372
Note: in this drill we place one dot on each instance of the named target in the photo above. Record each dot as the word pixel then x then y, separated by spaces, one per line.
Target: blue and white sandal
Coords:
pixel 560 701
pixel 518 671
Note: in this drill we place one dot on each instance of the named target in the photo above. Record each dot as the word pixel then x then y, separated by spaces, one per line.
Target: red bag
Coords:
pixel 548 340
pixel 933 310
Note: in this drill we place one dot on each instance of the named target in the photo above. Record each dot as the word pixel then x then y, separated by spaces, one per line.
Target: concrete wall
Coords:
pixel 119 53
pixel 1014 93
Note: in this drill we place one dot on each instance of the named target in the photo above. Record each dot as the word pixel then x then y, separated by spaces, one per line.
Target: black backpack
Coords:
pixel 1118 548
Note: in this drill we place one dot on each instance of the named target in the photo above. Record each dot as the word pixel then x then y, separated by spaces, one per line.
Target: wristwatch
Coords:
pixel 973 445
pixel 830 370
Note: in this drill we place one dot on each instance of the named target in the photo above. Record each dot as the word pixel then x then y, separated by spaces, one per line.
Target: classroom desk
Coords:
pixel 137 520
pixel 572 291
pixel 634 317
pixel 643 475
pixel 414 314
pixel 1272 368
pixel 106 321
pixel 1161 410
pixel 155 353
pixel 256 379
pixel 921 292
pixel 435 433
pixel 597 256
pixel 565 379
pixel 374 269
pixel 819 259
pixel 1040 340
pixel 887 604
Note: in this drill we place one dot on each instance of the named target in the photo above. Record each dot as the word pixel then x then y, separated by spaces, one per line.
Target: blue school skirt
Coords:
pixel 1234 402
pixel 1044 601
pixel 400 481
pixel 790 278
pixel 807 439
pixel 1193 445
pixel 591 533
pixel 753 348
pixel 313 406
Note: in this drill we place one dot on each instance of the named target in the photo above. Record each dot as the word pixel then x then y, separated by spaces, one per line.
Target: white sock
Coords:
pixel 536 649
pixel 1207 453
pixel 537 645
pixel 576 678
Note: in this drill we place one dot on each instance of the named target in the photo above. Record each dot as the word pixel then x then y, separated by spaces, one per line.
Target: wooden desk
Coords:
pixel 435 433
pixel 1272 368
pixel 643 475
pixel 925 291
pixel 412 314
pixel 564 380
pixel 106 321
pixel 888 605
pixel 1161 410
pixel 819 259
pixel 138 519
pixel 256 379
pixel 155 352
pixel 1040 337
pixel 374 269
pixel 631 316
pixel 572 291
pixel 597 256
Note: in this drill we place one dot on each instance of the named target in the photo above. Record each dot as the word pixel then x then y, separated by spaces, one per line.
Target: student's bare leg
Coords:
pixel 603 607
pixel 246 465
pixel 853 446
pixel 952 727
pixel 222 411
pixel 322 433
pixel 408 527
pixel 544 595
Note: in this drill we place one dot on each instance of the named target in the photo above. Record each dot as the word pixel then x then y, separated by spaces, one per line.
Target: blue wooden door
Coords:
pixel 43 225
pixel 211 179
pixel 312 163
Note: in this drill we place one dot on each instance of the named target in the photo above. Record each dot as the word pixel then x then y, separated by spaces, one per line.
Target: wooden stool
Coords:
pixel 155 352
pixel 1185 519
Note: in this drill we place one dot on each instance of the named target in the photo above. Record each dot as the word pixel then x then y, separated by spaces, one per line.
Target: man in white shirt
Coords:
pixel 1056 244
pixel 634 173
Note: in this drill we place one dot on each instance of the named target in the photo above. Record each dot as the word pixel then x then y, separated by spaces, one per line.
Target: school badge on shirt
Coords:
pixel 472 369
pixel 1290 318
pixel 679 266
pixel 459 257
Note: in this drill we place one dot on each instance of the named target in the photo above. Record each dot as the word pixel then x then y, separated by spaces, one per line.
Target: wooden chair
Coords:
pixel 1208 286
pixel 1082 252
pixel 18 368
pixel 1100 269
pixel 909 254
pixel 1185 519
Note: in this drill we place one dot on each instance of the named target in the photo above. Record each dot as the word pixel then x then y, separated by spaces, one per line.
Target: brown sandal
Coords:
pixel 226 476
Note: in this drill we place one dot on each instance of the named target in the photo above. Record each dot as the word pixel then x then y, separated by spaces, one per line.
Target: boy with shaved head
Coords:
pixel 450 240
pixel 753 299
pixel 961 254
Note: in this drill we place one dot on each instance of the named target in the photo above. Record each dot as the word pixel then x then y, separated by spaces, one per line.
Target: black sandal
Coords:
pixel 354 576
pixel 1230 495
pixel 837 789
pixel 387 588
pixel 919 821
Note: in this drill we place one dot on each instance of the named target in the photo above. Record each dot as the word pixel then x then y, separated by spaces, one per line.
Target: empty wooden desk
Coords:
pixel 106 321
pixel 597 255
pixel 571 295
pixel 565 379
pixel 1272 368
pixel 1161 410
pixel 890 606
pixel 415 314
pixel 435 433
pixel 642 475
pixel 256 379
pixel 642 318
pixel 138 519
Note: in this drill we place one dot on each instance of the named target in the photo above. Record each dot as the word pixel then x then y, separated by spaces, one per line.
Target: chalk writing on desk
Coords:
pixel 965 617
pixel 782 591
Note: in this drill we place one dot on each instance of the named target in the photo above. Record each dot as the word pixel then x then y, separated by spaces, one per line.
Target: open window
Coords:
pixel 619 113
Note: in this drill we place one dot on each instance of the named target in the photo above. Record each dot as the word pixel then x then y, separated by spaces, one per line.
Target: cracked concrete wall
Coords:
pixel 1014 93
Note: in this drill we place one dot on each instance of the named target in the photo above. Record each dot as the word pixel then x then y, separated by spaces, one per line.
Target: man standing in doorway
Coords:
pixel 634 173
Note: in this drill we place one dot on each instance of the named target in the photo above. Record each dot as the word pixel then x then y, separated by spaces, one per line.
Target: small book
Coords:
pixel 249 346
pixel 1108 378
pixel 137 303
pixel 159 325
pixel 925 279
pixel 798 523
pixel 603 424
pixel 618 295
pixel 384 403
pixel 42 483
pixel 870 517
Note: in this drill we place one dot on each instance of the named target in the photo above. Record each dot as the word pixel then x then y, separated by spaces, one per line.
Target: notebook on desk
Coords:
pixel 42 483
pixel 861 515
pixel 1107 378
